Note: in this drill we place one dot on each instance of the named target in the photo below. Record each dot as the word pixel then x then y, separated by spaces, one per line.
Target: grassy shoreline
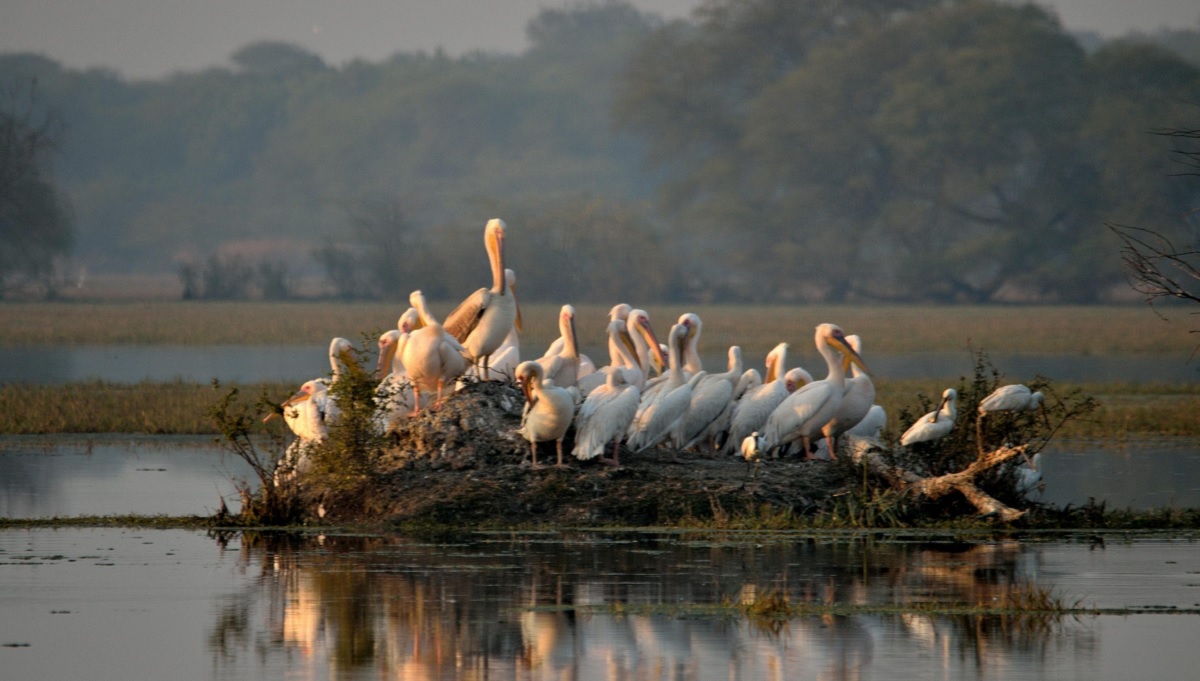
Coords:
pixel 179 408
pixel 1107 330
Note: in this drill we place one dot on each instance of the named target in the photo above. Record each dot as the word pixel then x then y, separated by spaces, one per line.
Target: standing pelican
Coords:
pixel 567 370
pixel 691 351
pixel 856 402
pixel 713 394
pixel 605 416
pixel 936 424
pixel 548 410
pixel 481 322
pixel 752 451
pixel 394 396
pixel 432 357
pixel 620 358
pixel 505 359
pixel 750 413
pixel 658 414
pixel 803 414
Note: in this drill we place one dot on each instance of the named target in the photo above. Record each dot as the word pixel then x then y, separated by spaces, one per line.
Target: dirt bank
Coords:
pixel 465 464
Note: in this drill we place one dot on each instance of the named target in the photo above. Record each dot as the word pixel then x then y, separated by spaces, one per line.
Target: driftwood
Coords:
pixel 962 481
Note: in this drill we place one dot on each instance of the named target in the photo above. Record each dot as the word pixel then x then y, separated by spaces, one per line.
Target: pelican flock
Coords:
pixel 647 395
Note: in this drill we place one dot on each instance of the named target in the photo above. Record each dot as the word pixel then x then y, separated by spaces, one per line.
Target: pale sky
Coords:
pixel 151 38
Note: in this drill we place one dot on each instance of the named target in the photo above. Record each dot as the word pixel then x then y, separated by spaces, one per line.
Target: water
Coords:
pixel 296 364
pixel 42 477
pixel 121 604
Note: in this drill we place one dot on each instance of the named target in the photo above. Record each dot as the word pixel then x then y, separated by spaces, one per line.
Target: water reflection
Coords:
pixel 603 607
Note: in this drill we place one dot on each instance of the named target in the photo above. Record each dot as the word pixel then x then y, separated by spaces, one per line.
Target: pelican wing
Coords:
pixel 464 318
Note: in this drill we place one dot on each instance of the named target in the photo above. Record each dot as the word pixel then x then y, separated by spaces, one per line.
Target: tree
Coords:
pixel 1154 265
pixel 35 223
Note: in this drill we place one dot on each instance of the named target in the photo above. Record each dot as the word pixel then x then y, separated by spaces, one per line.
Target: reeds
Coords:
pixel 1063 330
pixel 175 408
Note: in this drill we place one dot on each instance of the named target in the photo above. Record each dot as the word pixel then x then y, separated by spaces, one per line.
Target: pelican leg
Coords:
pixel 807 444
pixel 558 444
pixel 416 400
pixel 616 451
pixel 533 454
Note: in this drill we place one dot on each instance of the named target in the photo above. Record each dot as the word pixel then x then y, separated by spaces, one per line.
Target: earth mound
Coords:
pixel 465 464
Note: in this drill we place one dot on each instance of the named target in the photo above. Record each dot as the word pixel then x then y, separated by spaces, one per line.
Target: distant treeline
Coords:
pixel 763 150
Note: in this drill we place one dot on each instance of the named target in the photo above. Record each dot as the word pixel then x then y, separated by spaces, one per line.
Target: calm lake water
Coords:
pixel 124 604
pixel 245 364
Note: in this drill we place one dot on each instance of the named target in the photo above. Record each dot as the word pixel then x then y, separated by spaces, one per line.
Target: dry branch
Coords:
pixel 963 481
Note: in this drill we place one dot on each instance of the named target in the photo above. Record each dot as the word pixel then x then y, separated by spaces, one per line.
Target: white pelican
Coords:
pixel 432 357
pixel 711 397
pixel 717 432
pixel 751 411
pixel 394 396
pixel 646 348
pixel 620 358
pixel 936 424
pixel 658 414
pixel 311 411
pixel 691 352
pixel 803 414
pixel 605 416
pixel 856 402
pixel 481 322
pixel 548 410
pixel 505 359
pixel 305 414
pixel 567 371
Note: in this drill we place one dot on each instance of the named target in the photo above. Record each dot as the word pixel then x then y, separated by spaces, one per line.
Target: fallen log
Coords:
pixel 939 486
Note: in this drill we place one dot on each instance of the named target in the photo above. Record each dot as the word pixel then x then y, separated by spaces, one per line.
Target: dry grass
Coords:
pixel 1127 410
pixel 1101 330
pixel 175 408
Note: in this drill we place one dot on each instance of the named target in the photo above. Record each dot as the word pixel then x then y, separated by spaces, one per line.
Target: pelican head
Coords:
pixel 527 374
pixel 833 336
pixel 619 311
pixel 341 356
pixel 641 323
pixel 411 319
pixel 387 350
pixel 306 392
pixel 795 379
pixel 493 241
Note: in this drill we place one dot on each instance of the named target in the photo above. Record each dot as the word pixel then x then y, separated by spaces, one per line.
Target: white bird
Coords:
pixel 803 414
pixel 311 411
pixel 657 416
pixel 856 402
pixel 548 410
pixel 691 352
pixel 482 321
pixel 752 451
pixel 394 396
pixel 604 417
pixel 505 359
pixel 936 424
pixel 1029 476
pixel 304 413
pixel 872 424
pixel 432 357
pixel 620 358
pixel 566 373
pixel 645 344
pixel 750 413
pixel 1011 398
pixel 711 397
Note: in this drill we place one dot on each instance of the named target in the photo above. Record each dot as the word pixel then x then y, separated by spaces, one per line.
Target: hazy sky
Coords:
pixel 150 38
